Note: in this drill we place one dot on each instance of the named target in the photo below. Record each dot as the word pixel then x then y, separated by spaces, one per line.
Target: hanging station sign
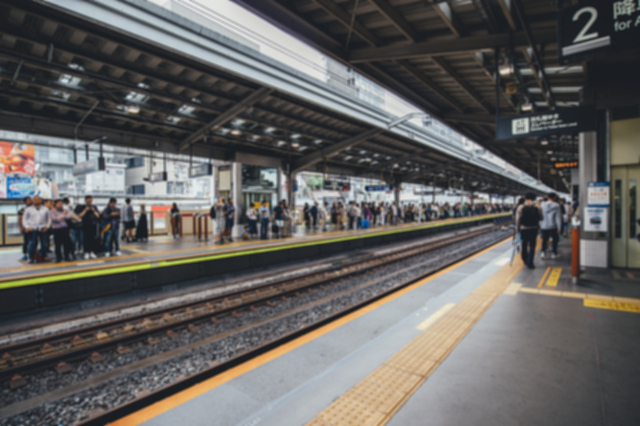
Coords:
pixel 198 170
pixel 156 177
pixel 89 166
pixel 378 188
pixel 558 121
pixel 334 185
pixel 597 28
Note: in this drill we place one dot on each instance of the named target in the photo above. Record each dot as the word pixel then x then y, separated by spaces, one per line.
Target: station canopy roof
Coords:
pixel 63 74
pixel 441 56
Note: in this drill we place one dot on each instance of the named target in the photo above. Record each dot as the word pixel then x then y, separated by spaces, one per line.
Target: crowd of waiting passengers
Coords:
pixel 86 231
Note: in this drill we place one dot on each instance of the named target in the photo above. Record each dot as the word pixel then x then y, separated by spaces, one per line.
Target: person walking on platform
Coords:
pixel 37 222
pixel 278 213
pixel 229 219
pixel 111 223
pixel 551 225
pixel 263 213
pixel 23 230
pixel 219 215
pixel 142 230
pixel 528 217
pixel 60 218
pixel 90 227
pixel 128 220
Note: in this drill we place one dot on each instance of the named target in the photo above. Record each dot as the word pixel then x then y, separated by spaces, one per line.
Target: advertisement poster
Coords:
pixel 17 158
pixel 596 219
pixel 3 186
pixel 20 187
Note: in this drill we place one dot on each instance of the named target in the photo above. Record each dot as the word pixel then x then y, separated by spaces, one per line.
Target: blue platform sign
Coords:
pixel 377 188
pixel 598 194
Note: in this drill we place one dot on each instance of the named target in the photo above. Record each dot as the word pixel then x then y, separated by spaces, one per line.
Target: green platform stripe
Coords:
pixel 196 259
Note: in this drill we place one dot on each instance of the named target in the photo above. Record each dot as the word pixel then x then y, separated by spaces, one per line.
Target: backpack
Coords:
pixel 530 216
pixel 212 212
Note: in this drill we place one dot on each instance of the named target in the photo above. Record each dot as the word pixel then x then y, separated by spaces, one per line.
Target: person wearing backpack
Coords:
pixel 528 217
pixel 550 225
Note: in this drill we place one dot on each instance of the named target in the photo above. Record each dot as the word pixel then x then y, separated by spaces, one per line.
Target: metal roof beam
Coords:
pixel 448 47
pixel 431 85
pixel 226 116
pixel 470 118
pixel 345 19
pixel 396 19
pixel 444 66
pixel 446 13
pixel 316 157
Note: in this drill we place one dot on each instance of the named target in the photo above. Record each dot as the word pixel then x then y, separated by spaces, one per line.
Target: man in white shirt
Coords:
pixel 36 223
pixel 263 213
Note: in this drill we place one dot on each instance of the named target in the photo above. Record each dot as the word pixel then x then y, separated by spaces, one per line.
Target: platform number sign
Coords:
pixel 598 28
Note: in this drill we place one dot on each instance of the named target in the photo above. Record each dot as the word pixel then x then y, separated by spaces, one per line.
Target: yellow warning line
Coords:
pixel 614 306
pixel 544 277
pixel 554 277
pixel 376 399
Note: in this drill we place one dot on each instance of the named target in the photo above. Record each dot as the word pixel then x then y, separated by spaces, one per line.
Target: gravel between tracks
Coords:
pixel 82 405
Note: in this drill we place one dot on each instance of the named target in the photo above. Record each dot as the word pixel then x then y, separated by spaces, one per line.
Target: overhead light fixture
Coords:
pixel 526 107
pixel 544 142
pixel 295 145
pixel 506 70
pixel 236 132
pixel 549 152
pixel 133 109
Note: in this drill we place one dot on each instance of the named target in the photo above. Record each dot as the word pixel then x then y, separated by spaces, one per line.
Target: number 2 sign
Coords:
pixel 597 28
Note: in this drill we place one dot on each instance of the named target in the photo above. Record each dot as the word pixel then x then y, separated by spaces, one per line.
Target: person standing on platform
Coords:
pixel 278 213
pixel 528 217
pixel 550 225
pixel 229 219
pixel 23 230
pixel 142 230
pixel 306 214
pixel 252 220
pixel 128 220
pixel 111 222
pixel 263 213
pixel 323 215
pixel 176 221
pixel 314 215
pixel 60 218
pixel 90 227
pixel 37 224
pixel 220 206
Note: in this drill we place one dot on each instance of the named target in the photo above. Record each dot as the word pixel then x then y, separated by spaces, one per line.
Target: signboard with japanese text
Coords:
pixel 597 28
pixel 559 121
pixel 110 181
pixel 17 158
pixel 598 194
pixel 596 219
pixel 156 177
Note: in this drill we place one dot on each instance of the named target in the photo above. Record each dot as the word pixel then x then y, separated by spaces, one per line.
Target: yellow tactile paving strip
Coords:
pixel 624 304
pixel 376 399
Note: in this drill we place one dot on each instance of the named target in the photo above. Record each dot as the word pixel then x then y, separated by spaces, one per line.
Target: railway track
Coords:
pixel 56 351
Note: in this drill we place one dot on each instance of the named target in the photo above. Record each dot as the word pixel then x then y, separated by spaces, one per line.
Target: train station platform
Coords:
pixel 164 261
pixel 480 342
